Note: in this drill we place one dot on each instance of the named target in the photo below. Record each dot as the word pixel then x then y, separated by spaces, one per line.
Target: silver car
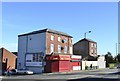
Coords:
pixel 20 71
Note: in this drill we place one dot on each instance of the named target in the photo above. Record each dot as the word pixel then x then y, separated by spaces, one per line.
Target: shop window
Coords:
pixel 34 57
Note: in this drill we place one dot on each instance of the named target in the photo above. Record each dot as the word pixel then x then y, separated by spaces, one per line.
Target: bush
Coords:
pixel 86 67
pixel 112 65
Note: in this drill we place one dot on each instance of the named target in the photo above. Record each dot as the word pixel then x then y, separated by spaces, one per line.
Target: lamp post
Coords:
pixel 117 52
pixel 116 49
pixel 86 33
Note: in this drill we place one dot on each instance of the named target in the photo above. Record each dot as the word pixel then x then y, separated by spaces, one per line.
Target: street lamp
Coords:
pixel 86 33
pixel 116 49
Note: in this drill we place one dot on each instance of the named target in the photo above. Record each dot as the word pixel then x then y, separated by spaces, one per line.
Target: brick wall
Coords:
pixel 56 42
pixel 10 58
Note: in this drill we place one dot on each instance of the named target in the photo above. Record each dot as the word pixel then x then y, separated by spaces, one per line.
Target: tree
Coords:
pixel 118 58
pixel 108 58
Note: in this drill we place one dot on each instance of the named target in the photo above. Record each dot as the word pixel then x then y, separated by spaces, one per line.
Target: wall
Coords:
pixel 88 63
pixel 10 57
pixel 81 48
pixel 92 49
pixel 101 62
pixel 56 43
pixel 22 45
pixel 34 43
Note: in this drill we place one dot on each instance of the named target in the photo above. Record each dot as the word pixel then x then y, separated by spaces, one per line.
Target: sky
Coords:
pixel 74 18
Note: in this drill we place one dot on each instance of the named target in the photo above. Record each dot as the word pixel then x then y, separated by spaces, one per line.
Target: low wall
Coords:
pixel 88 63
pixel 95 64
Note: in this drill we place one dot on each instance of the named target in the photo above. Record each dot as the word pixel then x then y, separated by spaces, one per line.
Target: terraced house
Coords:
pixel 87 48
pixel 34 46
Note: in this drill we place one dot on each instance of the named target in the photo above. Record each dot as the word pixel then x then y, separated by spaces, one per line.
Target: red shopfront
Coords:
pixel 57 63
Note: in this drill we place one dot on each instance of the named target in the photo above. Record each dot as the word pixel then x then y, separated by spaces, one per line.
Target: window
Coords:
pixel 65 40
pixel 59 49
pixel 92 51
pixel 59 39
pixel 92 44
pixel 34 57
pixel 29 57
pixel 51 48
pixel 95 45
pixel 71 41
pixel 52 37
pixel 65 49
pixel 71 50
pixel 95 51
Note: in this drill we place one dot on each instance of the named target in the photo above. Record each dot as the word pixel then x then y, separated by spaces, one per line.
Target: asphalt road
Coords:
pixel 90 75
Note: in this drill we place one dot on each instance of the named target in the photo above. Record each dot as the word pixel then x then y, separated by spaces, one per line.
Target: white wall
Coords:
pixel 37 43
pixel 88 63
pixel 101 62
pixel 21 51
pixel 76 67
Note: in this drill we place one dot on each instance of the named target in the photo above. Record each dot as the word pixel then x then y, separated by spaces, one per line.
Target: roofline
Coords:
pixel 87 40
pixel 45 30
pixel 84 40
pixel 7 51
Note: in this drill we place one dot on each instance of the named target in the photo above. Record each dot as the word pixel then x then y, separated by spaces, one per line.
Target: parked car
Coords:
pixel 25 71
pixel 20 71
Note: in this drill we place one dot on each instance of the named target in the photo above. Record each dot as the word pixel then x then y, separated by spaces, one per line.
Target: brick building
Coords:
pixel 34 46
pixel 8 59
pixel 87 48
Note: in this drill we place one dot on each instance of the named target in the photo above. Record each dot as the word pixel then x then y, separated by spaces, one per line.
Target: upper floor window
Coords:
pixel 51 48
pixel 92 44
pixel 95 51
pixel 71 41
pixel 59 49
pixel 92 51
pixel 95 45
pixel 52 37
pixel 65 49
pixel 59 39
pixel 65 40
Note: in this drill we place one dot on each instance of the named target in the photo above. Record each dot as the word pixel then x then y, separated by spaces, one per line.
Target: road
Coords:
pixel 89 75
